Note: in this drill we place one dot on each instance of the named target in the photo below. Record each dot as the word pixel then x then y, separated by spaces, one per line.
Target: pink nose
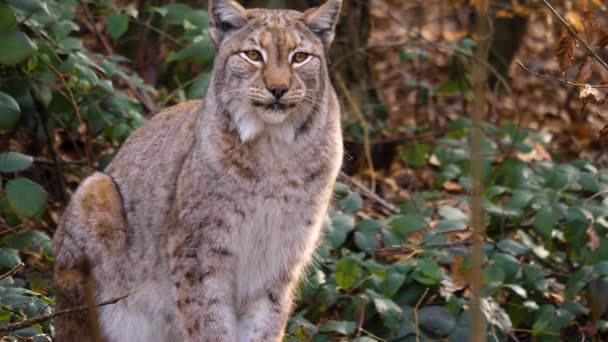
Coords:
pixel 278 90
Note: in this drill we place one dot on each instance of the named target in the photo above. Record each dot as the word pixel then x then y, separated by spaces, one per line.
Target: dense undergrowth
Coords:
pixel 383 273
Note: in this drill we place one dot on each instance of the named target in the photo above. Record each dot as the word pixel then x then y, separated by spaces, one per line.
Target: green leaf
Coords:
pixel 436 320
pixel 545 220
pixel 578 281
pixel 513 247
pixel 14 162
pixel 29 6
pixel 9 257
pixel 351 203
pixel 117 24
pixel 26 197
pixel 517 289
pixel 199 87
pixel 347 272
pixel 390 312
pixel 16 47
pixel 392 283
pixel 340 327
pixel 341 225
pixel 7 18
pixel 9 111
pixel 367 241
pixel 405 224
pixel 427 272
pixel 201 51
pixel 452 213
pixel 417 154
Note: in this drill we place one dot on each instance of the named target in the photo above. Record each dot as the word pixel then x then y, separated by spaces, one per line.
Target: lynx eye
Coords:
pixel 253 55
pixel 300 57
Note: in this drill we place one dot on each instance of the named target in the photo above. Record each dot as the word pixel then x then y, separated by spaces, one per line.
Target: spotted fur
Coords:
pixel 211 210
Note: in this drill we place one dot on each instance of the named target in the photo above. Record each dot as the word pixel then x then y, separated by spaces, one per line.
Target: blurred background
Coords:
pixel 77 77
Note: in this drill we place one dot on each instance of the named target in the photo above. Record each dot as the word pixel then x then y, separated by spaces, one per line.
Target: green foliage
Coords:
pixel 403 277
pixel 60 95
pixel 409 273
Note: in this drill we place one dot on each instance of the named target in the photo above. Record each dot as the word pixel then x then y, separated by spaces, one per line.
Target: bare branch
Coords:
pixel 576 36
pixel 41 318
pixel 369 193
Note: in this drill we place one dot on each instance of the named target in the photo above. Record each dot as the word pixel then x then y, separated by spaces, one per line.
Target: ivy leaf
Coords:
pixel 578 281
pixel 14 162
pixel 436 320
pixel 9 257
pixel 427 272
pixel 26 197
pixel 347 272
pixel 405 224
pixel 117 25
pixel 341 225
pixel 340 327
pixel 7 18
pixel 16 47
pixel 351 203
pixel 9 111
pixel 367 241
pixel 392 283
pixel 545 220
pixel 390 312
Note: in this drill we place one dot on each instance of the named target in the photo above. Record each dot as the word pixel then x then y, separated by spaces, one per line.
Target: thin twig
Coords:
pixel 416 313
pixel 9 228
pixel 65 162
pixel 576 36
pixel 369 193
pixel 564 81
pixel 361 318
pixel 364 124
pixel 41 318
pixel 597 194
pixel 12 271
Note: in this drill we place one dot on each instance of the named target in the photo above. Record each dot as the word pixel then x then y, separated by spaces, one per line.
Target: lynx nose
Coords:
pixel 278 90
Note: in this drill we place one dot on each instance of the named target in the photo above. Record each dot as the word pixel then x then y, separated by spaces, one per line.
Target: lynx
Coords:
pixel 210 212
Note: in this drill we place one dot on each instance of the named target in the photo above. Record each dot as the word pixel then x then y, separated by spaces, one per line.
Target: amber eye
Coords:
pixel 254 55
pixel 300 57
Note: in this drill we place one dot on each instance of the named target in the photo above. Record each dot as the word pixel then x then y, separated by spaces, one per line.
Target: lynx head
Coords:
pixel 271 70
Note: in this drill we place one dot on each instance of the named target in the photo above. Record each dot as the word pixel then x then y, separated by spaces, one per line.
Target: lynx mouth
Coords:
pixel 277 105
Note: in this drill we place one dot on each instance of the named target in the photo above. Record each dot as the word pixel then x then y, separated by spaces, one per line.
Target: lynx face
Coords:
pixel 274 68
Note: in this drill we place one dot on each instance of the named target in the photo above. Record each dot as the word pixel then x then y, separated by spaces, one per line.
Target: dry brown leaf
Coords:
pixel 592 28
pixel 575 21
pixel 585 70
pixel 604 41
pixel 588 93
pixel 461 276
pixel 452 186
pixel 565 51
pixel 604 132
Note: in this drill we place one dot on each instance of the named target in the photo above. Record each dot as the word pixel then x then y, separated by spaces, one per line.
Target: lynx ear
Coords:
pixel 225 16
pixel 323 20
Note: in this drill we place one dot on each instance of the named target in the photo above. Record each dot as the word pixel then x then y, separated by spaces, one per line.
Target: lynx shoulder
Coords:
pixel 211 211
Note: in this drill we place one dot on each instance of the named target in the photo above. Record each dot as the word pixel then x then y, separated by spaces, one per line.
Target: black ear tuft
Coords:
pixel 225 16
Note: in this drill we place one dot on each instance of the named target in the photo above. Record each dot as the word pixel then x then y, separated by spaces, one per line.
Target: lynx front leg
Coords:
pixel 266 317
pixel 204 285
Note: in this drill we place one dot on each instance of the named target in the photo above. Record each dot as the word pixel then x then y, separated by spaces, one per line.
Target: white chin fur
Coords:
pixel 250 126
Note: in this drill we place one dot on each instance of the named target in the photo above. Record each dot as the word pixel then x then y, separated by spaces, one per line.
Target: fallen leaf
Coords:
pixel 588 93
pixel 565 51
pixel 592 28
pixel 585 70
